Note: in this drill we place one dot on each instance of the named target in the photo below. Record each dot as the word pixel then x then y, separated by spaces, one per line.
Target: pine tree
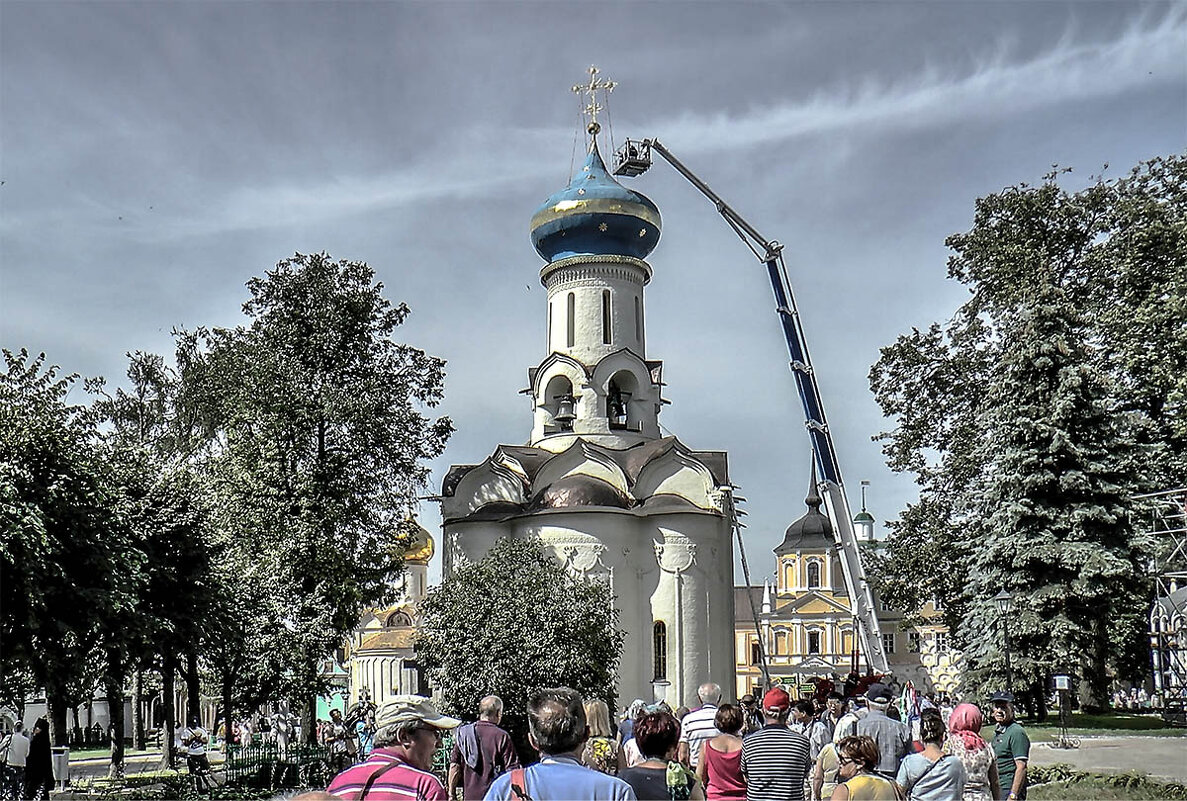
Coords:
pixel 1054 527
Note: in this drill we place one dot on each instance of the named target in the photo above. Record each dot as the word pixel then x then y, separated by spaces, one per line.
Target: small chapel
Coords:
pixel 596 481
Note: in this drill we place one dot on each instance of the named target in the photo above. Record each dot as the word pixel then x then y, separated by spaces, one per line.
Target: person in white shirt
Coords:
pixel 194 739
pixel 13 785
pixel 698 726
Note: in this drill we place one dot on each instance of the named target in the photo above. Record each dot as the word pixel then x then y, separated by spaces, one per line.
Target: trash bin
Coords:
pixel 61 765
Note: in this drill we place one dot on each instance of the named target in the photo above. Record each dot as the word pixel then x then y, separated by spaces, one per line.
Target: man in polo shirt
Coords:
pixel 408 732
pixel 698 726
pixel 775 759
pixel 557 729
pixel 481 752
pixel 893 738
pixel 1011 746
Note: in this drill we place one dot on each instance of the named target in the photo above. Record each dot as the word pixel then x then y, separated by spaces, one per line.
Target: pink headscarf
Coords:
pixel 965 722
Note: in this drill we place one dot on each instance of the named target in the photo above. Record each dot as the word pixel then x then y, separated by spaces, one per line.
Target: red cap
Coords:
pixel 776 700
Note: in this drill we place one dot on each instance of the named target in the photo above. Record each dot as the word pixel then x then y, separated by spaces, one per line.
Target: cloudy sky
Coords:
pixel 157 155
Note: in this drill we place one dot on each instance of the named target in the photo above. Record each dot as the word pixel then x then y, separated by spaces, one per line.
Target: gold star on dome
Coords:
pixel 602 227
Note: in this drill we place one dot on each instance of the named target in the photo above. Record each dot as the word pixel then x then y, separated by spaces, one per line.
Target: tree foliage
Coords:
pixel 1053 394
pixel 516 622
pixel 63 550
pixel 315 449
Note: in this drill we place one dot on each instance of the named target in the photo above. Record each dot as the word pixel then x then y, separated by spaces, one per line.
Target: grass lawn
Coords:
pixel 1095 789
pixel 1098 725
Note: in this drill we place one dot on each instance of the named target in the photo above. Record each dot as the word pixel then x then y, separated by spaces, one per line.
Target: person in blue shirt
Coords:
pixel 931 775
pixel 557 729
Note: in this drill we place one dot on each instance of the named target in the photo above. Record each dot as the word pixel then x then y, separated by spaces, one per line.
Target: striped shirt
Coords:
pixel 400 783
pixel 775 762
pixel 698 727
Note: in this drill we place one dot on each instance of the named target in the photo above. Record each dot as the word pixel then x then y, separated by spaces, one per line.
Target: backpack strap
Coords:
pixel 519 785
pixel 375 777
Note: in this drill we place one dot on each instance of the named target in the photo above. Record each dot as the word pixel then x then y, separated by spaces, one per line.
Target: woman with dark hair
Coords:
pixel 659 777
pixel 859 757
pixel 931 775
pixel 39 769
pixel 719 768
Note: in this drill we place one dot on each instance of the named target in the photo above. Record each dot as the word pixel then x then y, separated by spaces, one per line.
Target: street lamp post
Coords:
pixel 1003 600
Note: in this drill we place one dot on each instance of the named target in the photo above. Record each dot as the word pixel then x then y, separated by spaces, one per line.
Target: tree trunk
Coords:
pixel 228 687
pixel 193 688
pixel 1039 692
pixel 114 686
pixel 57 719
pixel 137 710
pixel 168 713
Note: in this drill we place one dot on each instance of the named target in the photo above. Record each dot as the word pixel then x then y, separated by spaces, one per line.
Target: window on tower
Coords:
pixel 755 653
pixel 813 642
pixel 605 316
pixel 638 321
pixel 571 321
pixel 813 574
pixel 659 643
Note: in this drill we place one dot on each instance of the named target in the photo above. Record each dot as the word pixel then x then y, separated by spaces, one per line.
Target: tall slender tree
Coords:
pixel 317 446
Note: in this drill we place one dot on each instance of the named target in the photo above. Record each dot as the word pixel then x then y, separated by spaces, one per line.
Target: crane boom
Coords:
pixel 634 158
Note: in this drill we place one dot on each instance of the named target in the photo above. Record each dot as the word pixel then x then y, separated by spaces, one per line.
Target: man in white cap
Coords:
pixel 407 732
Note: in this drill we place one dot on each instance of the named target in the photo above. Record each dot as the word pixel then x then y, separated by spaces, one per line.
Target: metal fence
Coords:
pixel 266 764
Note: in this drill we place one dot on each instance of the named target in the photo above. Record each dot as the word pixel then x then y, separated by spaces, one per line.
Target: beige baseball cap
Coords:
pixel 405 708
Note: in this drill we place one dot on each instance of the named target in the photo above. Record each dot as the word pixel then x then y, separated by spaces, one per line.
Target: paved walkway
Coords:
pixel 1165 757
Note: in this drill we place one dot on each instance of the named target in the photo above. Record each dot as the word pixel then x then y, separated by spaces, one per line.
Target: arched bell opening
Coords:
pixel 620 410
pixel 560 404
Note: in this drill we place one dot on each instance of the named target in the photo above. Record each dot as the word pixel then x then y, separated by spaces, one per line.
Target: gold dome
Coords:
pixel 420 548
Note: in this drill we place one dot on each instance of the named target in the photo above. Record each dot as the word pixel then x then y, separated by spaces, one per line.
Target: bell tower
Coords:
pixel 594 235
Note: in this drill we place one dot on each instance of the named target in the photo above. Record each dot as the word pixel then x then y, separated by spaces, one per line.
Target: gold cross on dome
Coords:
pixel 593 107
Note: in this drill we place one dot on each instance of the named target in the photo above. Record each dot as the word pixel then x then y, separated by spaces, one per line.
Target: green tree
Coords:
pixel 1103 269
pixel 1053 528
pixel 316 446
pixel 516 622
pixel 158 500
pixel 63 552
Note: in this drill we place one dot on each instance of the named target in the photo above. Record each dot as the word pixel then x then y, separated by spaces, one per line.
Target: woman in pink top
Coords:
pixel 719 769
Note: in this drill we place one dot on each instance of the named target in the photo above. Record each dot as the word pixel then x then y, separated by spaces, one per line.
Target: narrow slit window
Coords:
pixel 550 326
pixel 571 323
pixel 659 641
pixel 638 321
pixel 605 316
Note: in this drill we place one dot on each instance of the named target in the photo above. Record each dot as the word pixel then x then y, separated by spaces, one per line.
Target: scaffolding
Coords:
pixel 1168 614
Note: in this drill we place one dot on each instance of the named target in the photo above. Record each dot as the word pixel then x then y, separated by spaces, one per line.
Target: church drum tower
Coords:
pixel 610 497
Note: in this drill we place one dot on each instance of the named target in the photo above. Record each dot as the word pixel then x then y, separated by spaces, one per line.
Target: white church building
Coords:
pixel 596 482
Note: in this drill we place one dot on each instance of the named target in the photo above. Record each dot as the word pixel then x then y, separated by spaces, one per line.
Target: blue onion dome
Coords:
pixel 595 215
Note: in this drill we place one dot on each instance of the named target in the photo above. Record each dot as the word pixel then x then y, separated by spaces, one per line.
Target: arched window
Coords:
pixel 813 574
pixel 813 642
pixel 781 644
pixel 571 321
pixel 398 619
pixel 605 316
pixel 659 644
pixel 755 653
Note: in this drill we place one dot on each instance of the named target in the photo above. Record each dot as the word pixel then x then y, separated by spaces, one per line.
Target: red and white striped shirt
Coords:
pixel 400 783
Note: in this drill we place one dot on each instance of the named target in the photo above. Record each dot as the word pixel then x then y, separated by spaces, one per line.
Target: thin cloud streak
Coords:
pixel 1145 55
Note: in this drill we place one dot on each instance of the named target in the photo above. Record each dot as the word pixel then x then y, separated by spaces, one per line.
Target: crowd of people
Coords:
pixel 773 749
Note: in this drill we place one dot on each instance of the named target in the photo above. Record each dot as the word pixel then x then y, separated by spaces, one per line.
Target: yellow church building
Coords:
pixel 806 624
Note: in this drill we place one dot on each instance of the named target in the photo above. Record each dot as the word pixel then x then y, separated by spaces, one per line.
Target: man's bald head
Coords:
pixel 709 693
pixel 490 708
